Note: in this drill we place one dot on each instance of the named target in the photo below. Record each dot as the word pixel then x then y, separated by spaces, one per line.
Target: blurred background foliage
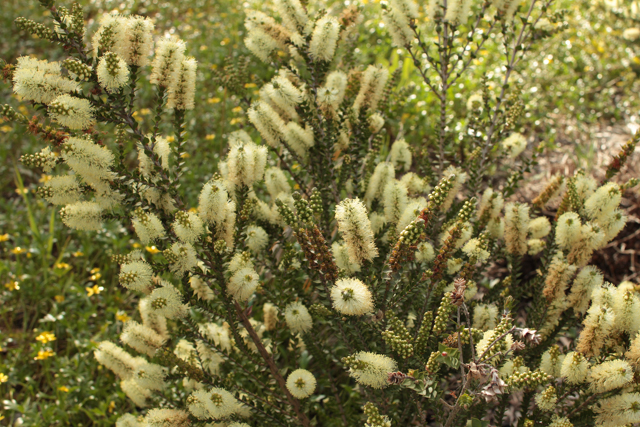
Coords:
pixel 59 295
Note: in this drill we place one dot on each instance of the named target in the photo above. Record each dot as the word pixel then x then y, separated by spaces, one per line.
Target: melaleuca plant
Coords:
pixel 327 275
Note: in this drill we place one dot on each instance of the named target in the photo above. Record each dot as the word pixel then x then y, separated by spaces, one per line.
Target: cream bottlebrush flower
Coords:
pixel 136 275
pixel 264 35
pixel 276 182
pixel 382 174
pixel 415 184
pixel 514 145
pixel 116 359
pixel 82 216
pixel 612 225
pixel 475 102
pixel 257 239
pixel 246 162
pixel 355 227
pixel 454 265
pixel 299 139
pixel 150 375
pixel 134 40
pixel 551 361
pixel 213 203
pixel 135 392
pixel 216 403
pixel 211 360
pixel 243 284
pixel 167 417
pixel 152 319
pixel 459 179
pixel 168 58
pixel 110 31
pixel 610 375
pixel 495 228
pixel 626 306
pixel 574 368
pixel 633 354
pixel 597 327
pixel 89 160
pixel 410 213
pixel 408 7
pixel 148 226
pixel 74 113
pixel 374 80
pixel 161 149
pixel 351 297
pixel 268 123
pixel 484 316
pixel 400 155
pixel 568 230
pixel 297 317
pixel 539 228
pixel 394 200
pixel 113 72
pixel 187 226
pixel 587 280
pixel 372 369
pixel 631 34
pixel 293 15
pixel 458 11
pixel 239 261
pixel 341 254
pixel 546 400
pixel 283 94
pixel 183 258
pixel 425 252
pixel 40 81
pixel 474 249
pixel 62 190
pixel 516 219
pixel 182 85
pixel 616 411
pixel 333 90
pixel 218 334
pixel 491 204
pixel 558 276
pixel 324 39
pixel 601 204
pixel 399 26
pixel 377 222
pixel 466 232
pixel 591 238
pixel 301 383
pixel 167 302
pixel 270 312
pixel 127 420
pixel 560 422
pixel 535 246
pixel 376 122
pixel 506 8
pixel 200 288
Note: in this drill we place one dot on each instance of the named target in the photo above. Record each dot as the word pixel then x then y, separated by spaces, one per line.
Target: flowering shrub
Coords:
pixel 331 272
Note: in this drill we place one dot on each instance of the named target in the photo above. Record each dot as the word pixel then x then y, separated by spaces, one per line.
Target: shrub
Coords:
pixel 331 268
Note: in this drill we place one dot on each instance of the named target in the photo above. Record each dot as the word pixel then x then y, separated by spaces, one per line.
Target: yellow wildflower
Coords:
pixel 210 137
pixel 171 138
pixel 46 337
pixel 136 245
pixel 18 250
pixel 213 100
pixel 3 378
pixel 152 249
pixel 12 285
pixel 185 155
pixel 62 266
pixel 4 237
pixel 93 290
pixel 237 109
pixel 236 120
pixel 145 111
pixel 95 277
pixel 112 406
pixel 44 354
pixel 44 178
pixel 95 270
pixel 59 298
pixel 122 316
pixel 250 85
pixel 77 254
pixel 63 388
